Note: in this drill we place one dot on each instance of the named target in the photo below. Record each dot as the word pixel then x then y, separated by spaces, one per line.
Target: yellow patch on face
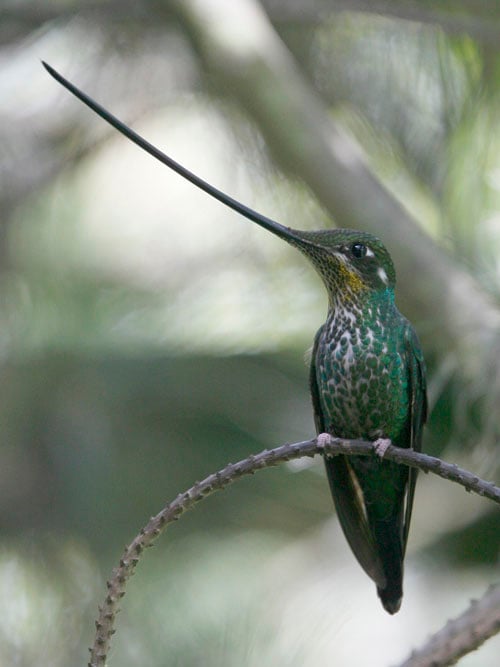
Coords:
pixel 352 279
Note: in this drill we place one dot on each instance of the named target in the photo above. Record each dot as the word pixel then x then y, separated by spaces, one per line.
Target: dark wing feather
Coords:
pixel 418 413
pixel 346 493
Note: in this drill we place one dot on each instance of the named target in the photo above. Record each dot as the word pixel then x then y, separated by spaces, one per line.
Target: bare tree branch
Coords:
pixel 233 471
pixel 461 635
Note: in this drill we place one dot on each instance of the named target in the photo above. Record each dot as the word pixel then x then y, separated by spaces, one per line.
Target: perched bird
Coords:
pixel 367 381
pixel 367 378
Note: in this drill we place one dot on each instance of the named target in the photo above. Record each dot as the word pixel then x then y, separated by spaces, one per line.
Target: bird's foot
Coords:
pixel 380 446
pixel 323 439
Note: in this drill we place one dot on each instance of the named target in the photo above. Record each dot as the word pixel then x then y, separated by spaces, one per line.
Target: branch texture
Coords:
pixel 461 635
pixel 233 471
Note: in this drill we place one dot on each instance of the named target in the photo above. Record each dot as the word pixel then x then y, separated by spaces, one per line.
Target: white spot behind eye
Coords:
pixel 382 275
pixel 369 252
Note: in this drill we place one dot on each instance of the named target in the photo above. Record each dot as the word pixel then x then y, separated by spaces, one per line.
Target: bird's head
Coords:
pixel 352 264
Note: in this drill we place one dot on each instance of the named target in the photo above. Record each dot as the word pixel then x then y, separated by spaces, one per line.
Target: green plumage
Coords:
pixel 367 381
pixel 367 377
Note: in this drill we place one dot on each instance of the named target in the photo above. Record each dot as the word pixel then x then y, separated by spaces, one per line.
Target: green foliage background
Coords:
pixel 148 336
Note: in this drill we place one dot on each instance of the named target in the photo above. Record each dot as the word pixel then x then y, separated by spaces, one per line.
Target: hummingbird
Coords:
pixel 367 377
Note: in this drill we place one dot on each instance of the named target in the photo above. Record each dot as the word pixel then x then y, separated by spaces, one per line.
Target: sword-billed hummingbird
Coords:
pixel 367 378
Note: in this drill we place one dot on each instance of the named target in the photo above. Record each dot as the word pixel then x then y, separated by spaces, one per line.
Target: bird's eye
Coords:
pixel 359 250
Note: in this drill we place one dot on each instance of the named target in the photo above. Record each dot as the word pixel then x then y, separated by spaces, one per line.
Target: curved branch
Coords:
pixel 233 471
pixel 461 635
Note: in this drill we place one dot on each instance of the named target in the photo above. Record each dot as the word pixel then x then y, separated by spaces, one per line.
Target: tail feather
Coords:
pixel 387 535
pixel 374 530
pixel 391 596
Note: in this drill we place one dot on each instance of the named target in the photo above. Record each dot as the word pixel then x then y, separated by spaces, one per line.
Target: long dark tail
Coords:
pixel 388 538
pixel 374 532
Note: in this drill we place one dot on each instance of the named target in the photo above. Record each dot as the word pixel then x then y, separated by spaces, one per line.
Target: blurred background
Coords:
pixel 149 336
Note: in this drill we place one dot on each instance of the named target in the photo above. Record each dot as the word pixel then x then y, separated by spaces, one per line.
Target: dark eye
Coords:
pixel 358 250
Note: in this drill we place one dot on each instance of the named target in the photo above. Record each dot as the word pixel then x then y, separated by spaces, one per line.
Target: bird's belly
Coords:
pixel 363 394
